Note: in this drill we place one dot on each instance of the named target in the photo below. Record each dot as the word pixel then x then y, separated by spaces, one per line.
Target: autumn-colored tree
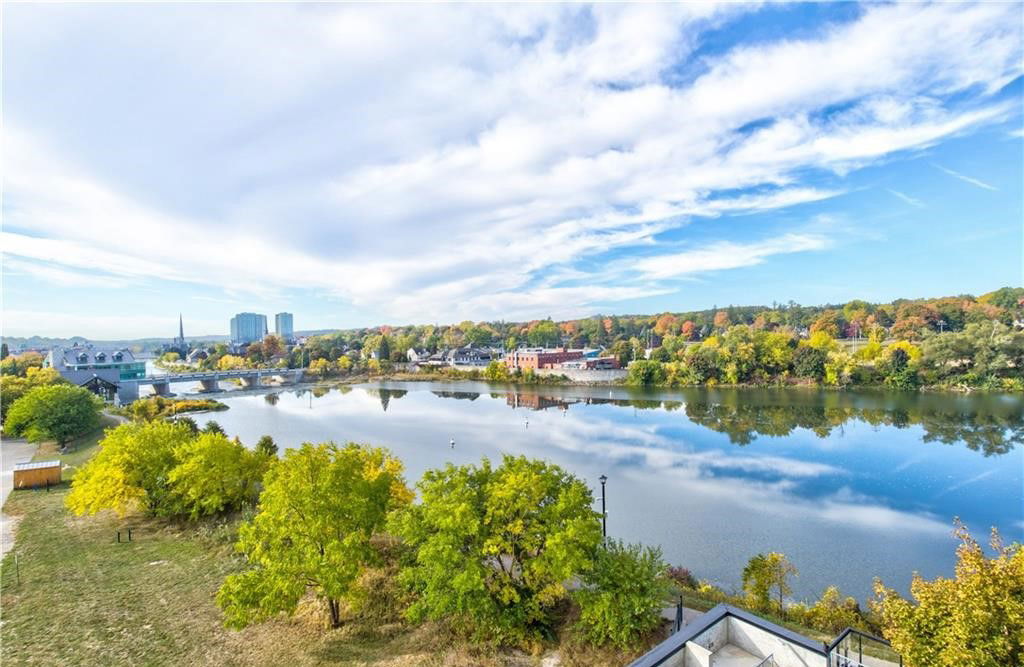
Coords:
pixel 320 508
pixel 721 320
pixel 688 330
pixel 13 387
pixel 131 470
pixel 765 573
pixel 19 364
pixel 828 322
pixel 665 324
pixel 976 618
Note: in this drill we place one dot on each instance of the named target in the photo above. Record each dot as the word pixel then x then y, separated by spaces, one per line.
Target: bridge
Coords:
pixel 128 390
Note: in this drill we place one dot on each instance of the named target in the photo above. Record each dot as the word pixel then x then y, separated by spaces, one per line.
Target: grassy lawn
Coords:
pixel 79 597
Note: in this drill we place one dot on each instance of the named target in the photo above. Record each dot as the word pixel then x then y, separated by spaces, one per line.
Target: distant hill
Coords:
pixel 16 343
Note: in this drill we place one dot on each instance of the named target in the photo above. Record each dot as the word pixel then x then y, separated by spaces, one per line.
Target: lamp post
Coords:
pixel 604 512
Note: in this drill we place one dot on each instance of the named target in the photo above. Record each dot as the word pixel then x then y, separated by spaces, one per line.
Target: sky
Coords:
pixel 359 165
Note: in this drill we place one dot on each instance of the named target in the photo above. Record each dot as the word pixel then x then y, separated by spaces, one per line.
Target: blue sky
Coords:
pixel 360 165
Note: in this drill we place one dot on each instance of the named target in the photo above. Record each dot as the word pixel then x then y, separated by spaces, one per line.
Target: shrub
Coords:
pixel 54 412
pixel 682 577
pixel 623 594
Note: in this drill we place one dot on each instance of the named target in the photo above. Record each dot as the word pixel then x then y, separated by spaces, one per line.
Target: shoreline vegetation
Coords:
pixel 958 343
pixel 290 591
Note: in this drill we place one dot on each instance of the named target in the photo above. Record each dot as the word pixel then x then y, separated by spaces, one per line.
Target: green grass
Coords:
pixel 78 597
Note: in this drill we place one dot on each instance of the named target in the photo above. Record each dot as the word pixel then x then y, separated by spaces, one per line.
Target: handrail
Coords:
pixel 767 662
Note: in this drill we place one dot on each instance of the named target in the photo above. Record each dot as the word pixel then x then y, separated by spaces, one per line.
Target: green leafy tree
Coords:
pixel 623 594
pixel 54 412
pixel 976 618
pixel 319 509
pixel 765 573
pixel 213 428
pixel 214 474
pixel 809 362
pixel 544 334
pixel 266 446
pixel 13 387
pixel 131 470
pixel 495 546
pixel 643 373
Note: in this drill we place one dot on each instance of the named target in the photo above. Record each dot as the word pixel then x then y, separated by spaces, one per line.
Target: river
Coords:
pixel 849 485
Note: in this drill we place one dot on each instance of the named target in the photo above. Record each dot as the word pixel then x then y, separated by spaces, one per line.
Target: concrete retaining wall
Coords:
pixel 581 375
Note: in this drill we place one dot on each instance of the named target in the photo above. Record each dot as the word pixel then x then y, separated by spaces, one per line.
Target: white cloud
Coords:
pixel 425 176
pixel 906 198
pixel 965 178
pixel 726 255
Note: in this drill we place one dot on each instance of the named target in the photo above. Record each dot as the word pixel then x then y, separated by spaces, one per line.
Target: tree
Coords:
pixel 19 364
pixel 230 362
pixel 833 613
pixel 4 353
pixel 13 387
pixel 321 367
pixel 131 470
pixel 976 618
pixel 54 412
pixel 765 572
pixel 643 373
pixel 384 349
pixel 496 371
pixel 828 322
pixel 721 320
pixel 213 428
pixel 495 546
pixel 320 507
pixel 214 474
pixel 809 362
pixel 544 334
pixel 623 594
pixel 266 446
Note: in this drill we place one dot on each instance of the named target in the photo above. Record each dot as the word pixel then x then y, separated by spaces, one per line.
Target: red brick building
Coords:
pixel 538 357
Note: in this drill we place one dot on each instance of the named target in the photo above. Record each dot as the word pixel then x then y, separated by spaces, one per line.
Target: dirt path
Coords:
pixel 12 451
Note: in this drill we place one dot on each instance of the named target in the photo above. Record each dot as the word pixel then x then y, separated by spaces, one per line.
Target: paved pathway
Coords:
pixel 12 450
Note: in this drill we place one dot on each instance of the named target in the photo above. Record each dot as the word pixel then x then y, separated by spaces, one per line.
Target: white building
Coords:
pixel 731 637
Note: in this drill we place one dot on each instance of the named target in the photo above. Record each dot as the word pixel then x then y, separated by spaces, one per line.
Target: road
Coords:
pixel 12 450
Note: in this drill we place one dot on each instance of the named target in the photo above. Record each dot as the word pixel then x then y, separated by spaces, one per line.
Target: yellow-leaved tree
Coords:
pixel 976 618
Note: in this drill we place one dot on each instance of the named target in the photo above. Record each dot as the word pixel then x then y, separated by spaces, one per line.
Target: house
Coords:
pixel 415 356
pixel 730 636
pixel 471 356
pixel 196 355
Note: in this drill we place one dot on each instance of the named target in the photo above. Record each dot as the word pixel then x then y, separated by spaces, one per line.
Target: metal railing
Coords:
pixel 767 662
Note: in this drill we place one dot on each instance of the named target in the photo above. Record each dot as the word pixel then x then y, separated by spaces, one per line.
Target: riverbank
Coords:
pixel 79 592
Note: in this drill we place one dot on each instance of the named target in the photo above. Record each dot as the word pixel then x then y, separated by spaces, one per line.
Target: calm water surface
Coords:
pixel 850 485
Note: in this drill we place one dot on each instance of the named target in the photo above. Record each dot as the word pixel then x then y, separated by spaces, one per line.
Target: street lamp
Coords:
pixel 604 512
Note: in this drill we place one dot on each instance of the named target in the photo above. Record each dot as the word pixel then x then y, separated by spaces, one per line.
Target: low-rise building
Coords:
pixel 471 356
pixel 81 363
pixel 533 358
pixel 591 364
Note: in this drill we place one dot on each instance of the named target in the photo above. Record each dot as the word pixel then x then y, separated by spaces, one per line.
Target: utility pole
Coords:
pixel 604 510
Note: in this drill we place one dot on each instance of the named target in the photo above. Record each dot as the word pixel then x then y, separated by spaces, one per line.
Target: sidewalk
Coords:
pixel 12 451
